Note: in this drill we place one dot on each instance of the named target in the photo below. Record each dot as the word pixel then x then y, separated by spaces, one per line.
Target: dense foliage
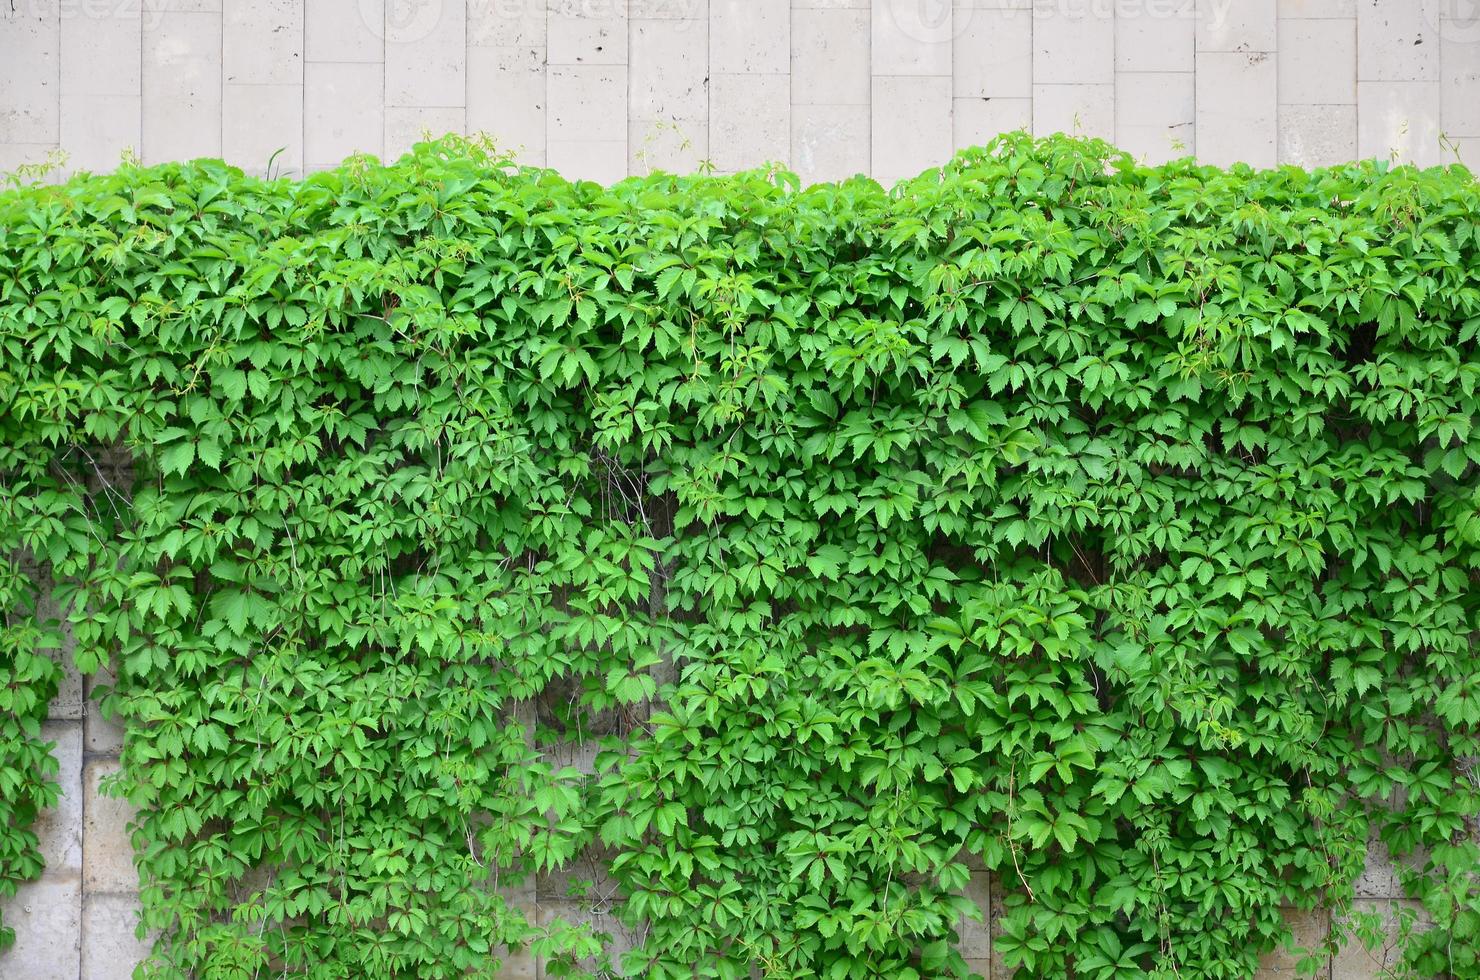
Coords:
pixel 1115 525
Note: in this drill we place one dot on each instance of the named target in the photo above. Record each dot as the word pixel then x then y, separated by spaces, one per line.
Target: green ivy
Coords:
pixel 1118 526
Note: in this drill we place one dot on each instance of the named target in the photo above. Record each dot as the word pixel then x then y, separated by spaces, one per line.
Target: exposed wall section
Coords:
pixel 605 88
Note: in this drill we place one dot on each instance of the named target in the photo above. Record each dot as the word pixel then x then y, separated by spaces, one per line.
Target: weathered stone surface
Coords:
pixel 102 734
pixel 1371 937
pixel 1309 931
pixel 108 853
pixel 97 130
pixel 47 918
pixel 1080 109
pixel 830 57
pixel 1317 135
pixel 911 125
pixel 674 145
pixel 976 935
pixel 262 42
pixel 1399 121
pixel 406 126
pixel 344 30
pixel 343 112
pixel 750 36
pixel 182 86
pixel 669 69
pixel 1165 128
pixel 993 56
pixel 1317 62
pixel 1237 119
pixel 110 946
pixel 975 121
pixel 59 829
pixel 1245 25
pixel 1156 36
pixel 250 143
pixel 829 142
pixel 749 120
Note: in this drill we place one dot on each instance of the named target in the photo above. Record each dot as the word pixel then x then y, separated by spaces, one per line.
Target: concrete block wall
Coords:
pixel 605 88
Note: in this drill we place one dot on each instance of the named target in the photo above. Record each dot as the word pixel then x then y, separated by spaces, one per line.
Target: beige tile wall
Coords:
pixel 605 88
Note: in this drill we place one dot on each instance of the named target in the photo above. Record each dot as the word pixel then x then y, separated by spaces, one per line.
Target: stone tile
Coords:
pixel 262 42
pixel 1398 40
pixel 1079 109
pixel 830 4
pixel 67 705
pixel 1073 42
pixel 108 853
pixel 1317 62
pixel 1236 109
pixel 1308 932
pixel 102 734
pixel 1468 151
pixel 1156 36
pixel 1236 25
pixel 749 120
pixel 830 142
pixel 110 947
pixel 604 161
pixel 101 50
pixel 97 130
pixel 994 55
pixel 182 86
pixel 1399 121
pixel 186 6
pixel 47 918
pixel 343 112
pixel 587 32
pixel 975 121
pixel 506 99
pixel 344 30
pixel 29 99
pixel 1379 877
pixel 667 9
pixel 507 23
pixel 588 102
pixel 59 829
pixel 1317 8
pixel 1460 95
pixel 405 126
pixel 668 69
pixel 426 54
pixel 976 937
pixel 675 145
pixel 750 36
pixel 1355 959
pixel 830 57
pixel 1318 135
pixel 911 129
pixel 260 120
pixel 1162 126
pixel 519 966
pixel 910 38
pixel 999 967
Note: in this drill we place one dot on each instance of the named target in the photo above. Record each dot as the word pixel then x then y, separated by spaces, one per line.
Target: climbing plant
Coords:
pixel 1115 526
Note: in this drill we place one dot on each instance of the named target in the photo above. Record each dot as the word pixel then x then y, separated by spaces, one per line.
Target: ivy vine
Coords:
pixel 1115 525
